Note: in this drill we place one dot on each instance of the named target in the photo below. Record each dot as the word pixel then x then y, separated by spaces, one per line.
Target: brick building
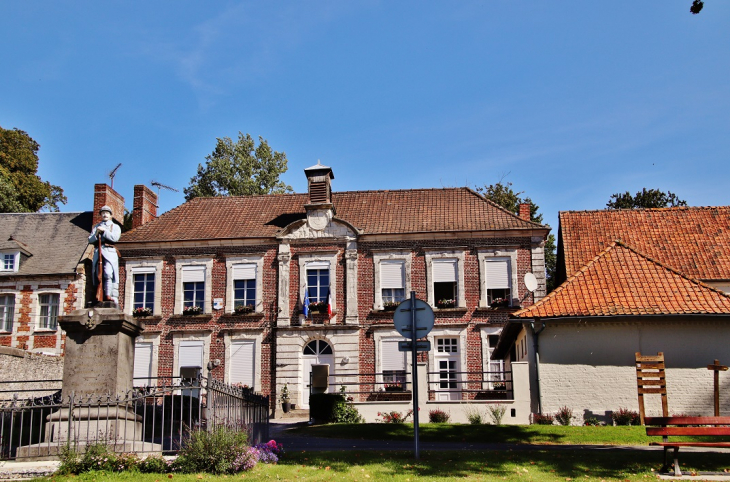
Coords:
pixel 360 252
pixel 42 275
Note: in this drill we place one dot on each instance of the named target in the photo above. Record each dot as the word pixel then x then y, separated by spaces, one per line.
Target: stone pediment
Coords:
pixel 334 228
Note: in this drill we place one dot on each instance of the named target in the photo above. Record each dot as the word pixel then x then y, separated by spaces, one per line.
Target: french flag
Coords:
pixel 329 304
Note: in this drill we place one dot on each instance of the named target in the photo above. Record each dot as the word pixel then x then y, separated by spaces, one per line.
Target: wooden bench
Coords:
pixel 693 426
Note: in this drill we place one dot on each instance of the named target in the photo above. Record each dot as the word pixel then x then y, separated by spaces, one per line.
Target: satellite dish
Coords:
pixel 530 282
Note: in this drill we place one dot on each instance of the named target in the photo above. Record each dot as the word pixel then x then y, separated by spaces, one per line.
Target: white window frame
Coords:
pixel 378 258
pixel 308 258
pixel 154 339
pixel 231 262
pixel 487 350
pixel 133 267
pixel 229 339
pixel 16 261
pixel 459 332
pixel 449 355
pixel 13 320
pixel 378 338
pixel 181 263
pixel 203 337
pixel 38 327
pixel 482 256
pixel 460 256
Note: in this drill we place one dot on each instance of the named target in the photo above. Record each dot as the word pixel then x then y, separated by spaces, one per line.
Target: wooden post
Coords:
pixel 717 368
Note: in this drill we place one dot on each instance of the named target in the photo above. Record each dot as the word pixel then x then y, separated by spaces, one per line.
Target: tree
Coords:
pixel 502 193
pixel 21 189
pixel 646 198
pixel 239 169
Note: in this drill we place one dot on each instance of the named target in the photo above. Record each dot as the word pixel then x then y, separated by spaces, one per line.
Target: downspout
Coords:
pixel 536 347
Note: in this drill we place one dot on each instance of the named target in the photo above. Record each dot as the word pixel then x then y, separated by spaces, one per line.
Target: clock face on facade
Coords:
pixel 318 219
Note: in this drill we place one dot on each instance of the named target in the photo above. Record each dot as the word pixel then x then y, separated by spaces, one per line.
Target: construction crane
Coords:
pixel 113 173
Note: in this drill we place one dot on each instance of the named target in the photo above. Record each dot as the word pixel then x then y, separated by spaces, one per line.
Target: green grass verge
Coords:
pixel 516 434
pixel 541 466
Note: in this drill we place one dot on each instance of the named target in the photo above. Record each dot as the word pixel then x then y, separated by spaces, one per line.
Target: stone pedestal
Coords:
pixel 99 356
pixel 97 375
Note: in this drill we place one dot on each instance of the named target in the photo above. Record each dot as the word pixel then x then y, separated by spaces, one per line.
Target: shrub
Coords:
pixel 624 416
pixel 332 408
pixel 592 422
pixel 496 412
pixel 270 452
pixel 473 415
pixel 438 416
pixel 564 415
pixel 98 456
pixel 539 419
pixel 212 451
pixel 153 464
pixel 394 417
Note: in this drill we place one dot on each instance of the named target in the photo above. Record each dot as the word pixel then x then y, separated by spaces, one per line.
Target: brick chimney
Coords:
pixel 104 195
pixel 144 207
pixel 525 211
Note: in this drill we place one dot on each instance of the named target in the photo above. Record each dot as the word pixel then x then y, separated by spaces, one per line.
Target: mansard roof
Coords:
pixel 52 243
pixel 623 281
pixel 692 240
pixel 371 212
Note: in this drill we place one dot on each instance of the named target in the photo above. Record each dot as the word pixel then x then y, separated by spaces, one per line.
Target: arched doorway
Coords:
pixel 316 352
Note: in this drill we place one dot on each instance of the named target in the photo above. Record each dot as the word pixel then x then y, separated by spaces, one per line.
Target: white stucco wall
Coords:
pixel 590 366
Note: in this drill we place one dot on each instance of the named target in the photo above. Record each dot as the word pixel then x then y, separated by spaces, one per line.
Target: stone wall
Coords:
pixel 21 366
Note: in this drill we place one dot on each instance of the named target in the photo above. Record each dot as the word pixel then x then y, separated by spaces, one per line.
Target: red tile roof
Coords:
pixel 372 212
pixel 692 240
pixel 623 281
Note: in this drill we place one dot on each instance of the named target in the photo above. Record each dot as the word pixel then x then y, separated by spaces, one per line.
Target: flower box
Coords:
pixel 191 310
pixel 445 303
pixel 390 305
pixel 499 303
pixel 141 312
pixel 395 387
pixel 318 307
pixel 244 309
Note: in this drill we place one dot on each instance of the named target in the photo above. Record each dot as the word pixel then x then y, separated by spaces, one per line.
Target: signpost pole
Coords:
pixel 414 375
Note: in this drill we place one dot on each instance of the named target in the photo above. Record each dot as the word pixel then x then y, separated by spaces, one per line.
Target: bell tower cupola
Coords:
pixel 320 209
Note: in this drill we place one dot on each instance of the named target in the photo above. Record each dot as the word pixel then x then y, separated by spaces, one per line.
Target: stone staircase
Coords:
pixel 298 413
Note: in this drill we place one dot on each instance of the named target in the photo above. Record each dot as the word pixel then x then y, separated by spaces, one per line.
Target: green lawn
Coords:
pixel 548 466
pixel 517 434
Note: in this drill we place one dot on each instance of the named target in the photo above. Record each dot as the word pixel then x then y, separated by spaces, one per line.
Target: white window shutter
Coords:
pixel 318 265
pixel 498 276
pixel 390 357
pixel 242 362
pixel 191 274
pixel 444 270
pixel 391 274
pixel 142 363
pixel 190 354
pixel 143 270
pixel 244 271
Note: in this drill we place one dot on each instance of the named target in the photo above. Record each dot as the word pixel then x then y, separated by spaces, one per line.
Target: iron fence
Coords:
pixel 155 419
pixel 470 385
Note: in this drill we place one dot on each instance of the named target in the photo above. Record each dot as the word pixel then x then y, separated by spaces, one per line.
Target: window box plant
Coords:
pixel 394 387
pixel 141 312
pixel 390 305
pixel 500 303
pixel 243 309
pixel 192 310
pixel 446 303
pixel 318 307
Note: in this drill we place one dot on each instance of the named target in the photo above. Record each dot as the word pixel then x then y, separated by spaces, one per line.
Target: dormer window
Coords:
pixel 9 261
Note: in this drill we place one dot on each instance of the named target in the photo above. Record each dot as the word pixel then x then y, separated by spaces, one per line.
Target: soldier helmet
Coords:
pixel 105 208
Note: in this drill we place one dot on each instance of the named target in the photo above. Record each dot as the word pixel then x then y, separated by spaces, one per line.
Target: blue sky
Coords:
pixel 571 101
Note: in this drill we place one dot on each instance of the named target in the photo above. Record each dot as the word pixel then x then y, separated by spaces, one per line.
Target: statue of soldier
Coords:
pixel 108 231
